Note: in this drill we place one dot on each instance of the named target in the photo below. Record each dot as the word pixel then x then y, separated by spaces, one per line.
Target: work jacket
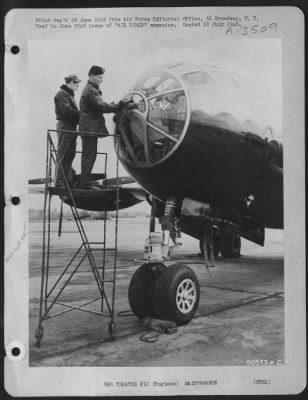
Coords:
pixel 92 107
pixel 66 108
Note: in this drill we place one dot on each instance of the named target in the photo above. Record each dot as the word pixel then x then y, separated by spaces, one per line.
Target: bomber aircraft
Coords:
pixel 204 143
pixel 204 146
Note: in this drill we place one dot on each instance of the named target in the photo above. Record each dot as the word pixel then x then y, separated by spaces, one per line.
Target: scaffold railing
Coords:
pixel 50 293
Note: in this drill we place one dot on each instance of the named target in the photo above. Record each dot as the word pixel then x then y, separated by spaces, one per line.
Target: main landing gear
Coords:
pixel 226 243
pixel 169 293
pixel 173 292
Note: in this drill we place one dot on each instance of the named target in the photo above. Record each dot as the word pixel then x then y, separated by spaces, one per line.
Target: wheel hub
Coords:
pixel 186 296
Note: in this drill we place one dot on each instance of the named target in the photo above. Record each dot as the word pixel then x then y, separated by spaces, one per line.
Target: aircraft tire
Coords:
pixel 176 294
pixel 140 289
pixel 230 245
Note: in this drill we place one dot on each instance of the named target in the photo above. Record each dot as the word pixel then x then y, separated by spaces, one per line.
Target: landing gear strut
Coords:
pixel 207 245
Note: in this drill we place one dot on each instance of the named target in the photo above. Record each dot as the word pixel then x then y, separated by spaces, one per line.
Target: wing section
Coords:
pixel 130 193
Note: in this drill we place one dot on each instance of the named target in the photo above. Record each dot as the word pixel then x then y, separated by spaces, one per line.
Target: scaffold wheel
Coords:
pixel 112 330
pixel 39 333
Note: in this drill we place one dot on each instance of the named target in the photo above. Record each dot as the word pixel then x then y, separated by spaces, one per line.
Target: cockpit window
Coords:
pixel 224 79
pixel 158 83
pixel 151 82
pixel 153 128
pixel 168 113
pixel 158 145
pixel 199 78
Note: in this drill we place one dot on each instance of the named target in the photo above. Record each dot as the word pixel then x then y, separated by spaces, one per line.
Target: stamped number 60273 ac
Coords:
pixel 259 363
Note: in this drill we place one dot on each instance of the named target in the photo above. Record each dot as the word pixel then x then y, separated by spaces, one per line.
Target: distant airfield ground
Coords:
pixel 240 317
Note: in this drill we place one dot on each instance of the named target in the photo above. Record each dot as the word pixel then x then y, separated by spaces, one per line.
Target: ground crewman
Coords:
pixel 92 121
pixel 67 115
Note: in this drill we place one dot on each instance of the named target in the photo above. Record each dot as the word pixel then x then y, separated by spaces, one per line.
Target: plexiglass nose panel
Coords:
pixel 168 113
pixel 151 131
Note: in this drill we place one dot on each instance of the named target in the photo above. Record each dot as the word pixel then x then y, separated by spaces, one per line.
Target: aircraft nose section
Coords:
pixel 152 129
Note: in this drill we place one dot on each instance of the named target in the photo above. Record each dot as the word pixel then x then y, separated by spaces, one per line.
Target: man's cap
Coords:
pixel 72 77
pixel 96 70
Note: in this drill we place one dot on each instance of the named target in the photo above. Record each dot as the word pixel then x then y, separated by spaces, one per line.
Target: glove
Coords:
pixel 120 104
pixel 128 104
pixel 131 105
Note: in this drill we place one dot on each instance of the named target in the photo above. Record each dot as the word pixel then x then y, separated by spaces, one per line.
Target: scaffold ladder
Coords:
pixel 50 293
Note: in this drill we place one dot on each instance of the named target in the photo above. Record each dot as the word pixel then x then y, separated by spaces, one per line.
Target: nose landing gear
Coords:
pixel 169 293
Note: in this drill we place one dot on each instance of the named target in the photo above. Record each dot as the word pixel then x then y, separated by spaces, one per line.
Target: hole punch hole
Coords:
pixel 15 49
pixel 15 200
pixel 15 351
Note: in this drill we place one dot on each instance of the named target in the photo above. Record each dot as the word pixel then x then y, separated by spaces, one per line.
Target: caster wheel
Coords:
pixel 39 333
pixel 112 330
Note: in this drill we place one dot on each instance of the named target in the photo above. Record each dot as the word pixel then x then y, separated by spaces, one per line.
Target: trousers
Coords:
pixel 88 157
pixel 66 151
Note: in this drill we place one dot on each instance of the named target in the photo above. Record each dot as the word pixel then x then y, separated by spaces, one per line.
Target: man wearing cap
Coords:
pixel 67 115
pixel 92 121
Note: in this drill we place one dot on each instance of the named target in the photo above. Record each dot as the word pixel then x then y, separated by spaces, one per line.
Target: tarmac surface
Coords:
pixel 240 319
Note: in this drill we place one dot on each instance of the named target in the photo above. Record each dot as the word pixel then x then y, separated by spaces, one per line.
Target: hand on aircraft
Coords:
pixel 127 103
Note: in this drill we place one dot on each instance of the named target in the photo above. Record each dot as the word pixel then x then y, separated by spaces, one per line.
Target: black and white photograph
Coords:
pixel 154 174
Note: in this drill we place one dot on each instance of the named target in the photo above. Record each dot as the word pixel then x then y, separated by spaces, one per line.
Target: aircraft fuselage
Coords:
pixel 222 168
pixel 211 142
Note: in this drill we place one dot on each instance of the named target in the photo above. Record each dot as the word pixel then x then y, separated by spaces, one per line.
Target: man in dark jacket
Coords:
pixel 67 114
pixel 92 121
